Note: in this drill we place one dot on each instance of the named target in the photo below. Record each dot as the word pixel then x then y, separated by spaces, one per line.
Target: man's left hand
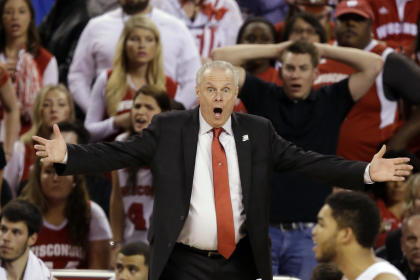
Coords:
pixel 389 169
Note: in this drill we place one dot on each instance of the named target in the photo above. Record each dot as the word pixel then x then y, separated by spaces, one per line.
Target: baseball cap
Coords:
pixel 359 7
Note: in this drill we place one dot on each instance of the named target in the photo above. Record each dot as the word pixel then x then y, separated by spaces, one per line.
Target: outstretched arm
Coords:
pixel 99 157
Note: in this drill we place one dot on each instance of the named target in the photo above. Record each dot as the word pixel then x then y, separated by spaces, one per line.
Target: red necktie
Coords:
pixel 224 215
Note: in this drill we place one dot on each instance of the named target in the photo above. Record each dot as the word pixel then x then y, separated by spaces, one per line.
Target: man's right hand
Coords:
pixel 51 150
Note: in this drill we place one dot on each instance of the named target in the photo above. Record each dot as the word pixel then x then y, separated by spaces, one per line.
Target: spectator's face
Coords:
pixel 140 47
pixel 257 33
pixel 56 189
pixel 396 192
pixel 133 6
pixel 131 267
pixel 298 75
pixel 353 31
pixel 410 243
pixel 325 236
pixel 144 108
pixel 303 31
pixel 16 19
pixel 14 240
pixel 55 107
pixel 217 93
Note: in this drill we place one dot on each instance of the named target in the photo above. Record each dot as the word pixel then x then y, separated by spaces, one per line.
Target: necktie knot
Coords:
pixel 217 131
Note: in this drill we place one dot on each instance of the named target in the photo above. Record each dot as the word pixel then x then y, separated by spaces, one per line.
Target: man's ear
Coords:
pixel 345 235
pixel 32 239
pixel 197 90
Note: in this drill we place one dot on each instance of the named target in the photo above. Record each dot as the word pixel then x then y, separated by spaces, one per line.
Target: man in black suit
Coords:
pixel 184 232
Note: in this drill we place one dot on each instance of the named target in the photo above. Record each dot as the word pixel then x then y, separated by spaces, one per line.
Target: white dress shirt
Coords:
pixel 200 228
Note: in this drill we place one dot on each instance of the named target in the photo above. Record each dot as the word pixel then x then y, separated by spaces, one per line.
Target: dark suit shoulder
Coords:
pixel 249 120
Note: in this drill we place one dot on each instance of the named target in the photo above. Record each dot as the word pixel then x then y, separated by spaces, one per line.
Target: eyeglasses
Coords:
pixel 300 31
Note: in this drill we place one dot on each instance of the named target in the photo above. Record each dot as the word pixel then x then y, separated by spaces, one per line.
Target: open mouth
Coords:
pixel 217 112
pixel 296 87
pixel 140 120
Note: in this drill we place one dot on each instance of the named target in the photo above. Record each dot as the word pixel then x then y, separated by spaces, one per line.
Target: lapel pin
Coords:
pixel 245 138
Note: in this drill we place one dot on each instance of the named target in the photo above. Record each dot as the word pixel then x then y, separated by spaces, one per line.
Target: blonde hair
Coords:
pixel 38 126
pixel 116 86
pixel 413 187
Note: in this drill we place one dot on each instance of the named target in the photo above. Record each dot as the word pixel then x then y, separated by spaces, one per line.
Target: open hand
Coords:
pixel 389 169
pixel 51 150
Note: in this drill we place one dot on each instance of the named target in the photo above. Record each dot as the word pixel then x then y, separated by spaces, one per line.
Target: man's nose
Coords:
pixel 123 275
pixel 218 96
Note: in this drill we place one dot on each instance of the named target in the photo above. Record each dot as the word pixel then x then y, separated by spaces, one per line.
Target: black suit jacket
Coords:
pixel 169 147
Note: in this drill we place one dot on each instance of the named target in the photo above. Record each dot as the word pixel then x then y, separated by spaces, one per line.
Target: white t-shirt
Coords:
pixel 35 269
pixel 96 47
pixel 216 25
pixel 380 267
pixel 138 206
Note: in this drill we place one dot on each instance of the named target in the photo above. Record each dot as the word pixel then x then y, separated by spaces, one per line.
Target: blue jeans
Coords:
pixel 291 252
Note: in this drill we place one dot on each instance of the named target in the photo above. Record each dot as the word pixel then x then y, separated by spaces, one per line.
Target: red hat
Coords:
pixel 359 7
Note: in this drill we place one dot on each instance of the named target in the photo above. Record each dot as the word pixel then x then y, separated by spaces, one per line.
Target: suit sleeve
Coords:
pixel 329 169
pixel 103 157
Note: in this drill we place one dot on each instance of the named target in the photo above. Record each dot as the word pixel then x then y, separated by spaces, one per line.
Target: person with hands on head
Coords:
pixel 311 119
pixel 192 235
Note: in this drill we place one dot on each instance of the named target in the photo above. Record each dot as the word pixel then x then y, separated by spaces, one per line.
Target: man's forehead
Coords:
pixel 325 213
pixel 133 259
pixel 296 58
pixel 13 225
pixel 217 75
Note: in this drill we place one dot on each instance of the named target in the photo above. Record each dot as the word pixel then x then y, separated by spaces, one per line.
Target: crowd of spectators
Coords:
pixel 335 77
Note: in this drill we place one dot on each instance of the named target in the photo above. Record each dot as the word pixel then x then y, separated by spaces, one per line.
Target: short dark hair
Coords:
pixel 358 212
pixel 136 248
pixel 308 18
pixel 161 97
pixel 81 132
pixel 19 210
pixel 259 20
pixel 326 271
pixel 302 47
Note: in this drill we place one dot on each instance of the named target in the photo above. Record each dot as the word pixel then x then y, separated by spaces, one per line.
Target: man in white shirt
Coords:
pixel 211 170
pixel 346 230
pixel 19 227
pixel 97 43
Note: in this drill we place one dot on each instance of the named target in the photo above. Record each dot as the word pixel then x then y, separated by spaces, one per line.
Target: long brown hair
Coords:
pixel 77 210
pixel 34 43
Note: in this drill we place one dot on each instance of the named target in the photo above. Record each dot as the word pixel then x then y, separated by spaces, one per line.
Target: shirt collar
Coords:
pixel 205 127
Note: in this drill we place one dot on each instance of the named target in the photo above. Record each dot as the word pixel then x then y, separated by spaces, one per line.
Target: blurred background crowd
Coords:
pixel 102 69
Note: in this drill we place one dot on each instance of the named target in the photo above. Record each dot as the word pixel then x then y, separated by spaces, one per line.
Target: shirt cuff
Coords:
pixel 64 161
pixel 366 176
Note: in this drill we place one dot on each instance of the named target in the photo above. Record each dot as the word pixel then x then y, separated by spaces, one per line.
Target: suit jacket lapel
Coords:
pixel 243 149
pixel 190 140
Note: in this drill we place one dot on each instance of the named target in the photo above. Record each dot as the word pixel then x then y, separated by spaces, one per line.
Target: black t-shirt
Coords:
pixel 312 124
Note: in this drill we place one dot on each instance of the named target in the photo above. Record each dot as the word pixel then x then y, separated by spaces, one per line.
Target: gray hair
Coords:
pixel 217 64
